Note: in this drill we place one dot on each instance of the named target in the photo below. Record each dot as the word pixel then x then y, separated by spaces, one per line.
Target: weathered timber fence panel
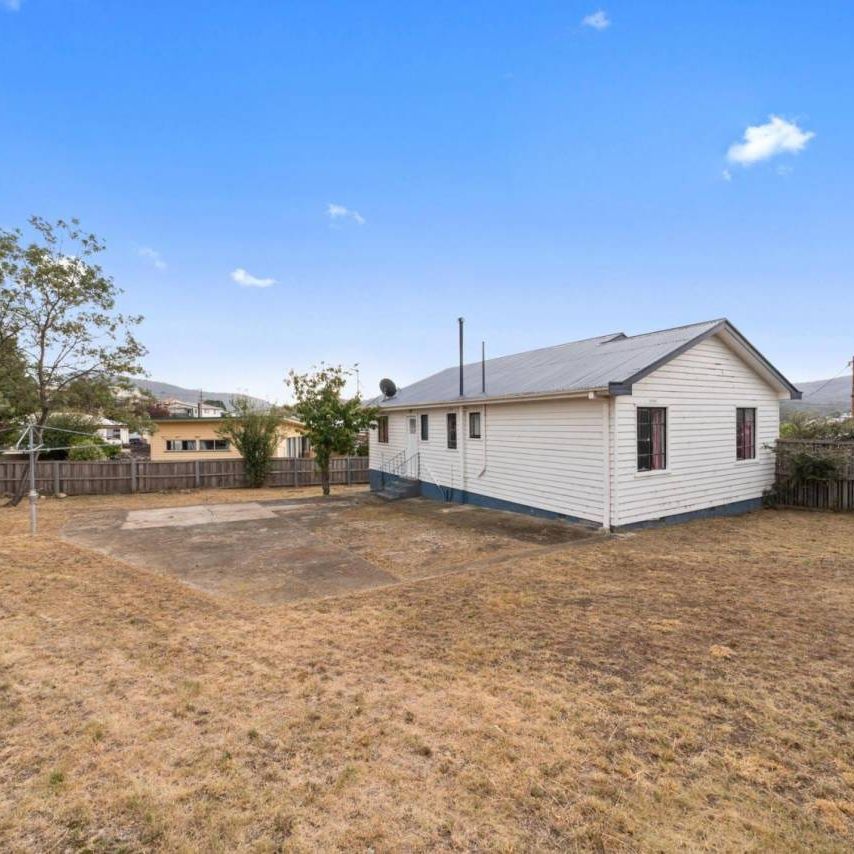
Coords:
pixel 111 477
pixel 833 494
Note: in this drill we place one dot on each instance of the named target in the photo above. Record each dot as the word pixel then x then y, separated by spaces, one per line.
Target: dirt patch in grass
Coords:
pixel 682 688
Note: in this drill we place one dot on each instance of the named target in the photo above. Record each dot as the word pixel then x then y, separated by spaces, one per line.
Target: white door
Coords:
pixel 412 446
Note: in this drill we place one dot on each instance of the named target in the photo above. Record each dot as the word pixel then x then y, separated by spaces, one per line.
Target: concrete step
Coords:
pixel 399 489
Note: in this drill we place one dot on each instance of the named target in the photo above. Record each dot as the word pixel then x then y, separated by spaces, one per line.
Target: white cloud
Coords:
pixel 597 20
pixel 335 212
pixel 153 256
pixel 726 175
pixel 247 280
pixel 11 5
pixel 776 136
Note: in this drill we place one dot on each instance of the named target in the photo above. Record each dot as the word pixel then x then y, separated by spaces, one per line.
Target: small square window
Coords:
pixel 474 425
pixel 452 430
pixel 425 427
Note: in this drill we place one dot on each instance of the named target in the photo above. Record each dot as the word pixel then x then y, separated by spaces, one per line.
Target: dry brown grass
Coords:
pixel 686 688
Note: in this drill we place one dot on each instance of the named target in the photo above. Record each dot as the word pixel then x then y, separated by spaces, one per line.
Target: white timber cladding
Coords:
pixel 543 454
pixel 701 389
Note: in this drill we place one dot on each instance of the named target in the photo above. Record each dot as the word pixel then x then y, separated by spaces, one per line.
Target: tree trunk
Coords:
pixel 324 478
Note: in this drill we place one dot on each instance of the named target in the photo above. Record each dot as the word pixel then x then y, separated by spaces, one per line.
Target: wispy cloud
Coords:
pixel 11 5
pixel 247 280
pixel 761 142
pixel 597 20
pixel 153 256
pixel 726 175
pixel 336 212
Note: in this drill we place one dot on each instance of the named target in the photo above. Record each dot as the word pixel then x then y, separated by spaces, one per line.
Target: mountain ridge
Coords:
pixel 823 396
pixel 191 395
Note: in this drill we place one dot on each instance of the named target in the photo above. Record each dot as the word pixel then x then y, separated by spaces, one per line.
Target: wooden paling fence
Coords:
pixel 110 477
pixel 836 493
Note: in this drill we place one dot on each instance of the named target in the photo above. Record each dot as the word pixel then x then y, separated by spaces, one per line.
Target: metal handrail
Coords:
pixel 446 494
pixel 399 465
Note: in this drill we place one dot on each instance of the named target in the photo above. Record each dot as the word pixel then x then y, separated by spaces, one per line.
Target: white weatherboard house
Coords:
pixel 616 430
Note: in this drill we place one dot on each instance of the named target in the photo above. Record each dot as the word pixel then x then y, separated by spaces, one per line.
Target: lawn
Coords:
pixel 681 688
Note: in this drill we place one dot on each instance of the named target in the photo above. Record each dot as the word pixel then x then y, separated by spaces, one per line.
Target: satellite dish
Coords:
pixel 388 388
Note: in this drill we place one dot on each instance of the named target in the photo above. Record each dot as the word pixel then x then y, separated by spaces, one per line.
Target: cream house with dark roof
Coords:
pixel 197 439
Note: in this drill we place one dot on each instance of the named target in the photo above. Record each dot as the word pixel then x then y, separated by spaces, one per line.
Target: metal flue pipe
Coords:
pixel 461 320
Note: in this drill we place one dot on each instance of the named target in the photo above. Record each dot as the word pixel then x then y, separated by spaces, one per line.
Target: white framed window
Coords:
pixel 745 433
pixel 452 430
pixel 474 425
pixel 652 438
pixel 382 429
pixel 214 444
pixel 180 444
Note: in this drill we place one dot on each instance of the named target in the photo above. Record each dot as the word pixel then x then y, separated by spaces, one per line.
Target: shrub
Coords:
pixel 255 434
pixel 806 467
pixel 84 449
pixel 803 425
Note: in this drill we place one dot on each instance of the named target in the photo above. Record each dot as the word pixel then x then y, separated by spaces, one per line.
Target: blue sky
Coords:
pixel 548 179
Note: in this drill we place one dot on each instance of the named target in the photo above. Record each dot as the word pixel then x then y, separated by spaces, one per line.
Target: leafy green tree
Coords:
pixel 70 347
pixel 255 434
pixel 331 422
pixel 63 429
pixel 73 347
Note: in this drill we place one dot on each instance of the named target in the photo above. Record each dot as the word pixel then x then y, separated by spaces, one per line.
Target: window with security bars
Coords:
pixel 452 430
pixel 745 433
pixel 652 438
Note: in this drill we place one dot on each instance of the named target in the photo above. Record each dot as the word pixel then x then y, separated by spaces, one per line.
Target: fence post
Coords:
pixel 197 473
pixel 349 471
pixel 57 484
pixel 296 471
pixel 133 484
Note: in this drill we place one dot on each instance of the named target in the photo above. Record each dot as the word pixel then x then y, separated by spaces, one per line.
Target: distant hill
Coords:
pixel 191 395
pixel 833 397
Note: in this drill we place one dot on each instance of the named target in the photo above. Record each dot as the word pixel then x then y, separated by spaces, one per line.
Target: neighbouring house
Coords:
pixel 616 431
pixel 196 438
pixel 113 432
pixel 200 409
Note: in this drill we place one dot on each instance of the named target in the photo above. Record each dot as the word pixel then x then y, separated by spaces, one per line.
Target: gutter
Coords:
pixel 475 401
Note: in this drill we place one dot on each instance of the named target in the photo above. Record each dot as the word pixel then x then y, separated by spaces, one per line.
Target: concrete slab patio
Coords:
pixel 281 551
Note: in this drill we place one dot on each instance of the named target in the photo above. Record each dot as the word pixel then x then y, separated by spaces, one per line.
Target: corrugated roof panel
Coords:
pixel 574 367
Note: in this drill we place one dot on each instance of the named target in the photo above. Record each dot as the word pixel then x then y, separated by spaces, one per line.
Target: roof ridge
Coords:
pixel 606 338
pixel 682 326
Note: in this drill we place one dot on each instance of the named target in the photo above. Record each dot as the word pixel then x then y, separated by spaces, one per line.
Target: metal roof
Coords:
pixel 611 362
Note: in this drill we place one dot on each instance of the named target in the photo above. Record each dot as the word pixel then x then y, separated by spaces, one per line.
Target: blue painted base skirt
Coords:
pixel 379 479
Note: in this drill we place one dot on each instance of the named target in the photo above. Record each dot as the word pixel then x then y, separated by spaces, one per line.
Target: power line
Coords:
pixel 828 382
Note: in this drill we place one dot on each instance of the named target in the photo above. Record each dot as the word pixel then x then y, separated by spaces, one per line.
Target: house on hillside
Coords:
pixel 113 432
pixel 616 431
pixel 194 438
pixel 201 409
